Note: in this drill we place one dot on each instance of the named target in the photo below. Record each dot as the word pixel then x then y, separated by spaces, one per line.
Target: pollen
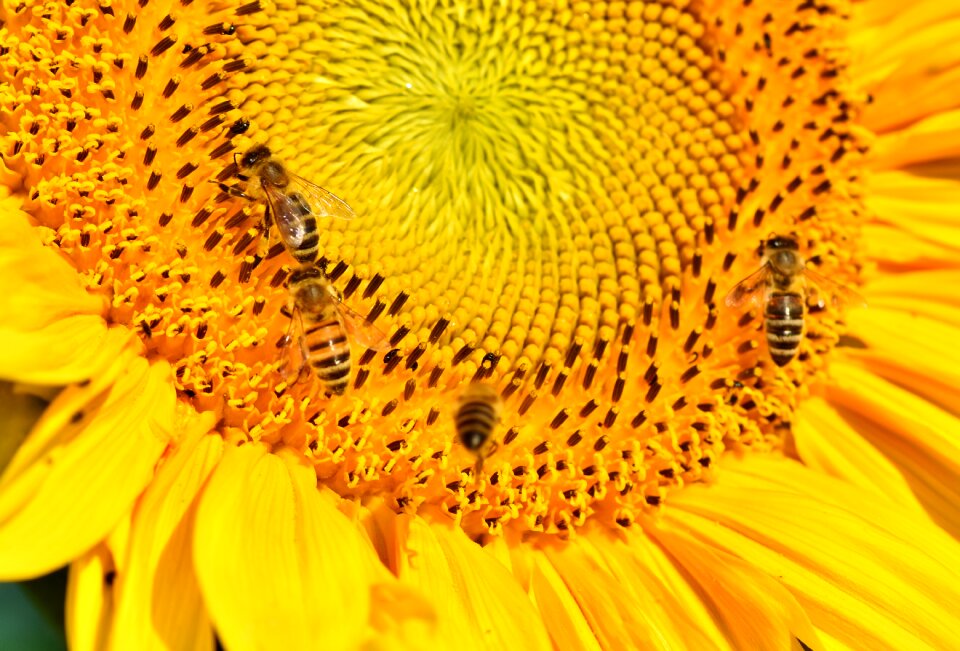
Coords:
pixel 552 198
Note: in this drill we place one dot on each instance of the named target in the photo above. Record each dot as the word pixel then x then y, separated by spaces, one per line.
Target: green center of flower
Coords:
pixel 549 165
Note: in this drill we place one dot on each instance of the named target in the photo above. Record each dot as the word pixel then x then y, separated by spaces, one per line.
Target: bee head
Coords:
pixel 779 242
pixel 254 156
pixel 305 273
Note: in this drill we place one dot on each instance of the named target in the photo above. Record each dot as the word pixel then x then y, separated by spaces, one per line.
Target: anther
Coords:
pixel 375 311
pixel 611 417
pixel 573 352
pixel 590 373
pixel 588 408
pixel 221 149
pixel 560 418
pixel 391 360
pixel 542 373
pixel 388 408
pixel 511 434
pixel 249 8
pixel 172 84
pixel 352 285
pixel 652 392
pixel 213 240
pixel 462 354
pixel 435 376
pixel 438 329
pixel 141 67
pixel 373 285
pixel 601 443
pixel 559 382
pixel 432 415
pixel 618 387
pixel 362 375
pixel 163 45
pixel 398 336
pixel 338 270
pixel 599 348
pixel 415 355
pixel 180 113
pixel 397 304
pixel 528 401
pixel 574 439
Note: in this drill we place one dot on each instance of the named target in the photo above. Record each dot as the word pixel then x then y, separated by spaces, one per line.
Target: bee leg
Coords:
pixel 267 237
pixel 232 190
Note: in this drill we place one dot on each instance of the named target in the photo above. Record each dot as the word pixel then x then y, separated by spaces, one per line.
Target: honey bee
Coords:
pixel 477 416
pixel 783 277
pixel 320 323
pixel 293 203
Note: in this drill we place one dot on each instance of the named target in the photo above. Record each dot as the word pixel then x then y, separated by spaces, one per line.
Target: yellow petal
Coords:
pixel 921 206
pixel 158 602
pixel 911 350
pixel 622 606
pixel 479 604
pixel 919 438
pixel 53 330
pixel 912 77
pixel 81 481
pixel 930 294
pixel 72 349
pixel 401 617
pixel 932 138
pixel 896 249
pixel 867 573
pixel 279 566
pixel 569 627
pixel 89 603
pixel 827 442
pixel 756 610
pixel 20 413
pixel 668 599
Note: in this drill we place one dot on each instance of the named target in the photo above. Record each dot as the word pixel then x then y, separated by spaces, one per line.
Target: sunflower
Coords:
pixel 552 200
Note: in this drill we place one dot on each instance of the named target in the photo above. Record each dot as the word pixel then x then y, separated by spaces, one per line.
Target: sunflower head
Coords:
pixel 552 201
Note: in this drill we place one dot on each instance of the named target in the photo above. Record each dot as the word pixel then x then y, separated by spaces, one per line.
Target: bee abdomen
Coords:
pixel 329 355
pixel 306 251
pixel 784 326
pixel 475 421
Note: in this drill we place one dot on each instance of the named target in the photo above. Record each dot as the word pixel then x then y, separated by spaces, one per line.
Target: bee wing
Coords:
pixel 748 288
pixel 322 203
pixel 365 334
pixel 286 344
pixel 292 205
pixel 842 295
pixel 289 214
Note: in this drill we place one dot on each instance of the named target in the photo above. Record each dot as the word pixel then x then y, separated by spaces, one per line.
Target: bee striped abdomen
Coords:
pixel 475 421
pixel 307 249
pixel 328 352
pixel 784 325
